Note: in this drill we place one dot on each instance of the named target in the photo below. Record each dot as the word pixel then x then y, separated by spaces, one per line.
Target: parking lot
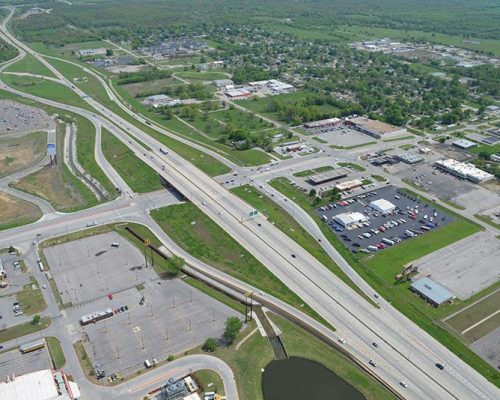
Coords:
pixel 14 362
pixel 341 136
pixel 17 118
pixel 87 269
pixel 380 226
pixel 173 318
pixel 464 267
pixel 488 347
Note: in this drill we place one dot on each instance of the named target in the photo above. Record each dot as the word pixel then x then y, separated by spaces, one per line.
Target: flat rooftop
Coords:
pixel 374 125
pixel 431 290
pixel 329 175
pixel 38 385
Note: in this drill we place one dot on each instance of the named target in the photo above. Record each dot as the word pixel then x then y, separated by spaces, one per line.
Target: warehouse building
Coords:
pixel 328 176
pixel 431 291
pixel 409 158
pixel 348 185
pixel 464 144
pixel 350 220
pixel 238 94
pixel 382 206
pixel 374 128
pixel 40 385
pixel 324 123
pixel 463 170
pixel 160 100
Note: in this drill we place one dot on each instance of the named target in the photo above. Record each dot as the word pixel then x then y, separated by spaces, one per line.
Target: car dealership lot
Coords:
pixel 392 226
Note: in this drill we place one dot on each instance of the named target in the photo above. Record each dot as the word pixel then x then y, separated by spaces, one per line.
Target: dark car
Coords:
pixel 375 344
pixel 440 366
pixel 293 256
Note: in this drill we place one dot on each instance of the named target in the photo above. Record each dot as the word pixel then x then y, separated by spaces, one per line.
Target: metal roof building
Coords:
pixel 382 206
pixel 431 291
pixel 328 176
pixel 347 220
pixel 409 157
pixel 464 144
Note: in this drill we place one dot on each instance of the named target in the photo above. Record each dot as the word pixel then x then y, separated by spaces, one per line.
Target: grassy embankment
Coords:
pixel 139 176
pixel 204 239
pixel 56 352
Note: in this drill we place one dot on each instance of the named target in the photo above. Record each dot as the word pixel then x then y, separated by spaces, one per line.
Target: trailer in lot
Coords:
pixel 32 346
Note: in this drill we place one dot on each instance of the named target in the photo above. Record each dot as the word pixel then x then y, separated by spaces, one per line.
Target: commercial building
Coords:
pixel 160 100
pixel 382 206
pixel 495 157
pixel 409 158
pixel 464 144
pixel 323 123
pixel 350 220
pixel 463 170
pixel 431 291
pixel 221 83
pixel 275 86
pixel 348 185
pixel 92 52
pixel 374 128
pixel 238 94
pixel 328 176
pixel 175 389
pixel 40 385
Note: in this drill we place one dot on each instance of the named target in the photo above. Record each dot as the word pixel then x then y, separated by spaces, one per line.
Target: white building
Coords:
pixel 382 206
pixel 92 52
pixel 349 220
pixel 40 385
pixel 464 170
pixel 160 100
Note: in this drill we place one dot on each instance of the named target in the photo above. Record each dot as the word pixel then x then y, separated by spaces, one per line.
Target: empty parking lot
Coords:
pixel 87 269
pixel 14 362
pixel 357 239
pixel 173 318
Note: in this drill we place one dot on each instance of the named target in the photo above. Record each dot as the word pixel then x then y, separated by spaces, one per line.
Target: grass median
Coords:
pixel 198 235
pixel 56 352
pixel 18 331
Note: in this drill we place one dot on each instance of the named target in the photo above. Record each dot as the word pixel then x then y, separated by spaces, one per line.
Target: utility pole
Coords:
pixel 147 242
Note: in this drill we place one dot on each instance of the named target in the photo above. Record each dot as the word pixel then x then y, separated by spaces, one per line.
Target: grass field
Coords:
pixel 56 352
pixel 201 76
pixel 210 381
pixel 46 89
pixel 18 331
pixel 139 176
pixel 310 172
pixel 30 65
pixel 379 272
pixel 16 212
pixel 31 298
pixel 475 313
pixel 19 152
pixel 204 239
pixel 149 87
pixel 57 184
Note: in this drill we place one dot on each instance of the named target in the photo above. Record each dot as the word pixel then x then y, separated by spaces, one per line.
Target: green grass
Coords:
pixel 206 377
pixel 139 176
pixel 216 294
pixel 46 89
pixel 475 313
pixel 56 352
pixel 85 361
pixel 282 220
pixel 31 300
pixel 206 241
pixel 379 271
pixel 30 65
pixel 300 343
pixel 353 166
pixel 487 219
pixel 319 140
pixel 204 76
pixel 310 172
pixel 379 178
pixel 18 331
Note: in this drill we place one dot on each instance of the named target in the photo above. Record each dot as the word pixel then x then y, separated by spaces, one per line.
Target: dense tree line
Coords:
pixel 142 76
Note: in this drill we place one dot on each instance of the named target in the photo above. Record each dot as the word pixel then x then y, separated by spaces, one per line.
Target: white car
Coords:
pixel 342 340
pixel 93 223
pixel 404 384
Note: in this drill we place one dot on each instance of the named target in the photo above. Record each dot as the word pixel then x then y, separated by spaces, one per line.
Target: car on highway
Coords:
pixel 372 363
pixel 89 224
pixel 293 255
pixel 440 366
pixel 404 384
pixel 375 344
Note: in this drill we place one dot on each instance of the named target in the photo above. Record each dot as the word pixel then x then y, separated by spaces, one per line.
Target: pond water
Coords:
pixel 299 379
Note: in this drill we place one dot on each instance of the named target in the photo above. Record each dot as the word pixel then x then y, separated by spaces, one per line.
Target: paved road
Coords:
pixel 336 302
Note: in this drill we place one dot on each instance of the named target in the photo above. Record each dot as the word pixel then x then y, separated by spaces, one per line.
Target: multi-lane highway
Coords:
pixel 404 352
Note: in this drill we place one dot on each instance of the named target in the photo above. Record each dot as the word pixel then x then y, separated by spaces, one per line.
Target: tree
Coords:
pixel 36 320
pixel 109 52
pixel 175 264
pixel 233 327
pixel 210 345
pixel 312 192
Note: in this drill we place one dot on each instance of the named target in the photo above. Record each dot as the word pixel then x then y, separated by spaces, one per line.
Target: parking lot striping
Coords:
pixel 480 322
pixel 159 378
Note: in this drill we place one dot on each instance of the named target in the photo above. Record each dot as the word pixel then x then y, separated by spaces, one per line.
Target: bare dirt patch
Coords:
pixel 14 211
pixel 18 153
